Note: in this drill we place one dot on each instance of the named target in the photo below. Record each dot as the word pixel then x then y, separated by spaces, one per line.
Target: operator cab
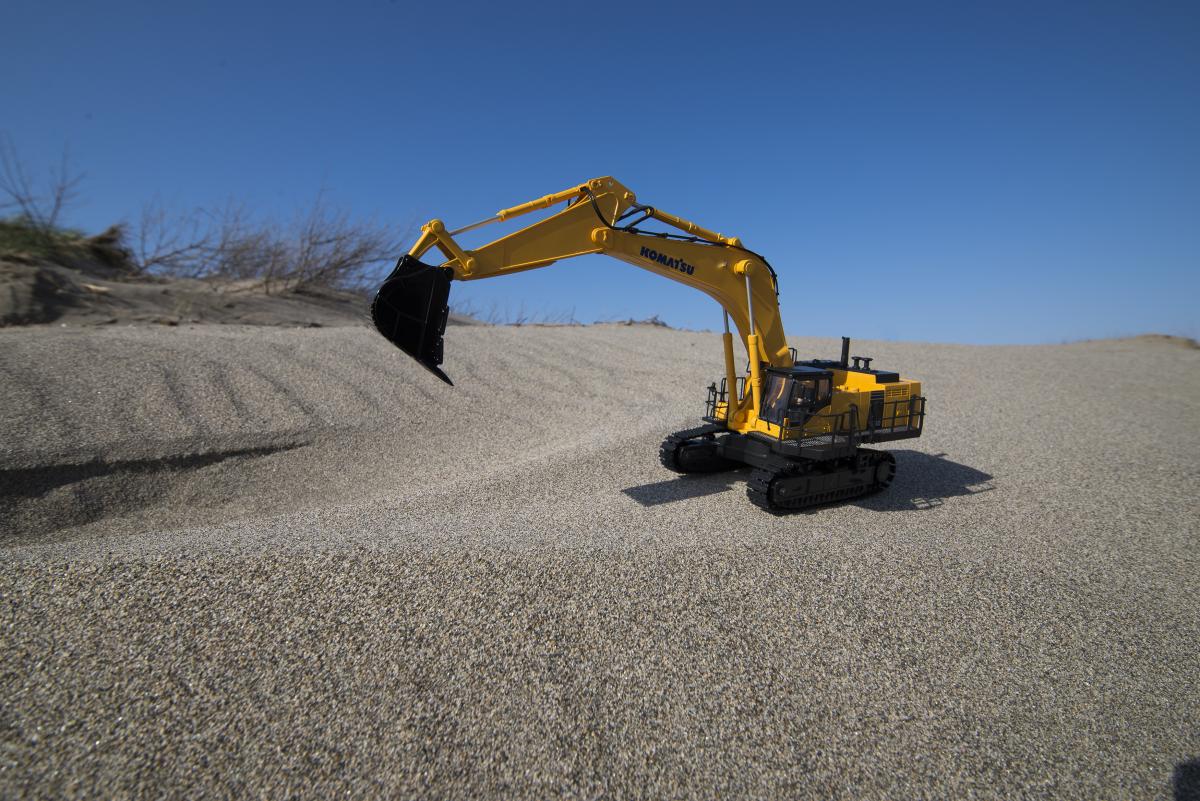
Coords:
pixel 795 394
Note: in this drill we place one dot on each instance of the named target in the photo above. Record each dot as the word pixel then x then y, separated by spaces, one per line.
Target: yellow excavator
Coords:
pixel 799 424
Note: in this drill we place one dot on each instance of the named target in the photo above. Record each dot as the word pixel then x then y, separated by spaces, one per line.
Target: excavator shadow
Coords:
pixel 923 481
pixel 693 485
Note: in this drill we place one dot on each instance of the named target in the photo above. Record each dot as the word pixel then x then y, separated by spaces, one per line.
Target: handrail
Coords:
pixel 906 415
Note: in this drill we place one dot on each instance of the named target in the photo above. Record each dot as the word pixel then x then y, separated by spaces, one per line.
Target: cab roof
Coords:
pixel 801 371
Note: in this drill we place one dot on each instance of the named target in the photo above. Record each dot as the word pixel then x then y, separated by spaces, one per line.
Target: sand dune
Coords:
pixel 263 561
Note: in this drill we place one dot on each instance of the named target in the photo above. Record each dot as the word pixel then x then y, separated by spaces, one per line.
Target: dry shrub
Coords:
pixel 323 246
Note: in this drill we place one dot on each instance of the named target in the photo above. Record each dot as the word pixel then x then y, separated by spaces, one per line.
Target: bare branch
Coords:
pixel 174 246
pixel 15 182
pixel 64 190
pixel 41 211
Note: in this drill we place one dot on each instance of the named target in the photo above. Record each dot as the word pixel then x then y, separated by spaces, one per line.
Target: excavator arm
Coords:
pixel 600 216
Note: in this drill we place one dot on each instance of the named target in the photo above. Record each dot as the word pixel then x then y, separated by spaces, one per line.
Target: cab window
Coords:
pixel 821 394
pixel 795 399
pixel 775 398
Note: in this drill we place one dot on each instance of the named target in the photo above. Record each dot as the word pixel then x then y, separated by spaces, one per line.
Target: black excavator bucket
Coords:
pixel 410 310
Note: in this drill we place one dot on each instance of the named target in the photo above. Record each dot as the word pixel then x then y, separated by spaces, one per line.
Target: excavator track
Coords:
pixel 801 485
pixel 694 450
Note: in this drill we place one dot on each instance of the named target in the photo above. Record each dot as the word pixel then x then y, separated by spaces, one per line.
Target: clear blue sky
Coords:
pixel 947 172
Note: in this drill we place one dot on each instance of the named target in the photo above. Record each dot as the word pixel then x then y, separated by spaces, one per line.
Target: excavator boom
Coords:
pixel 600 216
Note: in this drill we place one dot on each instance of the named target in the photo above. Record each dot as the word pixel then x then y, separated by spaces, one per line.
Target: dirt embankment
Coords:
pixel 90 293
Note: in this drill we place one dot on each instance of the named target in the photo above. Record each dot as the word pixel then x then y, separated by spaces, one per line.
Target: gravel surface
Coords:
pixel 289 563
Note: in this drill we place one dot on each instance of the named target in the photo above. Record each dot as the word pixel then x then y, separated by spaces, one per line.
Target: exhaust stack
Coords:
pixel 411 309
pixel 845 352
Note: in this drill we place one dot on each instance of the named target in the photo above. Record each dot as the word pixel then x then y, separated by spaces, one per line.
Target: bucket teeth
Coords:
pixel 411 309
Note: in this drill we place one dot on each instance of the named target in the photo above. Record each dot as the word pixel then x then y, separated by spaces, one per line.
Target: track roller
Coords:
pixel 801 485
pixel 694 450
